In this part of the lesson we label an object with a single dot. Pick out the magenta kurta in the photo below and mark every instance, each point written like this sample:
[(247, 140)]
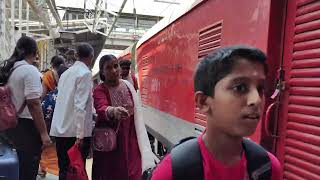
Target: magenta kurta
[(124, 163)]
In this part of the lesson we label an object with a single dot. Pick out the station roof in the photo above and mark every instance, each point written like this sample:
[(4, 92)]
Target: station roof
[(143, 7)]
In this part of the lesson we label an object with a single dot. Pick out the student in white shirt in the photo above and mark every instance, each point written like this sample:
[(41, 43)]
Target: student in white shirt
[(30, 135), (72, 117)]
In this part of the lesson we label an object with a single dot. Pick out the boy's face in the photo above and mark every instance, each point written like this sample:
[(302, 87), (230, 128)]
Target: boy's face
[(237, 103)]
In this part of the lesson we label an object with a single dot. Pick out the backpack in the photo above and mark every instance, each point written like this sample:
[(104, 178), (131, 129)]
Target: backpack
[(191, 168), (8, 113), (258, 162)]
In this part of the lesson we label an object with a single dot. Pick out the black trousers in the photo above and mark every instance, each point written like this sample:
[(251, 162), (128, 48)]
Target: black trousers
[(63, 144), (27, 141)]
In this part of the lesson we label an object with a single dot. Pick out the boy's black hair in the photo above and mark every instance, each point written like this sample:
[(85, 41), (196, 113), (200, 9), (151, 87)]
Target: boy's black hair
[(124, 62), (85, 50), (219, 64)]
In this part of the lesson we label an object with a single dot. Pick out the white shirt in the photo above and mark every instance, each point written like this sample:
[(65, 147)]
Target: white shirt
[(72, 115), (24, 83)]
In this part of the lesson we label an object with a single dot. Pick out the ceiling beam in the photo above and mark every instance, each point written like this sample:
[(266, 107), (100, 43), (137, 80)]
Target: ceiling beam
[(54, 12), (38, 13), (93, 43), (116, 18)]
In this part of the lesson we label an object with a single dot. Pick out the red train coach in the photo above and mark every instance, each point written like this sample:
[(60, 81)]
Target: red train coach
[(126, 54), (287, 30)]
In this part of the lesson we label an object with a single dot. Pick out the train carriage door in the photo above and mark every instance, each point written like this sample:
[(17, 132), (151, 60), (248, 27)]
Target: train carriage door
[(298, 145)]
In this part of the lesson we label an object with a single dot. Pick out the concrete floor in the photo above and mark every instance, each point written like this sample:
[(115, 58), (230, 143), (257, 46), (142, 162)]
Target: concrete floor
[(53, 177)]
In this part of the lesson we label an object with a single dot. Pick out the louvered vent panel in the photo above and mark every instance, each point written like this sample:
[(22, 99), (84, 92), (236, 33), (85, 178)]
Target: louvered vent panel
[(302, 144), (209, 40), (144, 66)]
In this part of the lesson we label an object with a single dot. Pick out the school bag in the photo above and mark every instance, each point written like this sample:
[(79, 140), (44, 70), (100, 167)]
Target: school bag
[(191, 168), (8, 112), (186, 161)]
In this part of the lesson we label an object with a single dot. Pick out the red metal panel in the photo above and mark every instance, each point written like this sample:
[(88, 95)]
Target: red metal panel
[(304, 2), (306, 137), (307, 7), (307, 110), (209, 45), (299, 144), (307, 148), (304, 100), (212, 32), (307, 45), (307, 91), (305, 82), (303, 164), (304, 128), (301, 118), (297, 157), (299, 172), (209, 39), (309, 26), (308, 17), (204, 39), (307, 36), (200, 118), (306, 63), (290, 175), (306, 54), (307, 72), (287, 53)]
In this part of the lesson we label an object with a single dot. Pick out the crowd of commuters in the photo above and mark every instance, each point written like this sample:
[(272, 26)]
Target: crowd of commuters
[(232, 76)]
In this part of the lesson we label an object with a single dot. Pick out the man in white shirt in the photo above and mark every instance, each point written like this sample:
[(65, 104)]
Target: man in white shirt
[(72, 117)]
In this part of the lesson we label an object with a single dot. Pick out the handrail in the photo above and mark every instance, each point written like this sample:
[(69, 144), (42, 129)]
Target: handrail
[(267, 119)]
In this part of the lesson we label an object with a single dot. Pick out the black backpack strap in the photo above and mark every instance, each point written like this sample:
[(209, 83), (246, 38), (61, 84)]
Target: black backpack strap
[(186, 160), (258, 161)]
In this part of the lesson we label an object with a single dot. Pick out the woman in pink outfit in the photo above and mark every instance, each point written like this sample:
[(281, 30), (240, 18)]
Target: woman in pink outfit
[(114, 101)]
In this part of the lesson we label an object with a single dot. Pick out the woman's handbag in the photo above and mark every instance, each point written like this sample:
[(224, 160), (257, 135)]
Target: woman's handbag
[(105, 138)]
